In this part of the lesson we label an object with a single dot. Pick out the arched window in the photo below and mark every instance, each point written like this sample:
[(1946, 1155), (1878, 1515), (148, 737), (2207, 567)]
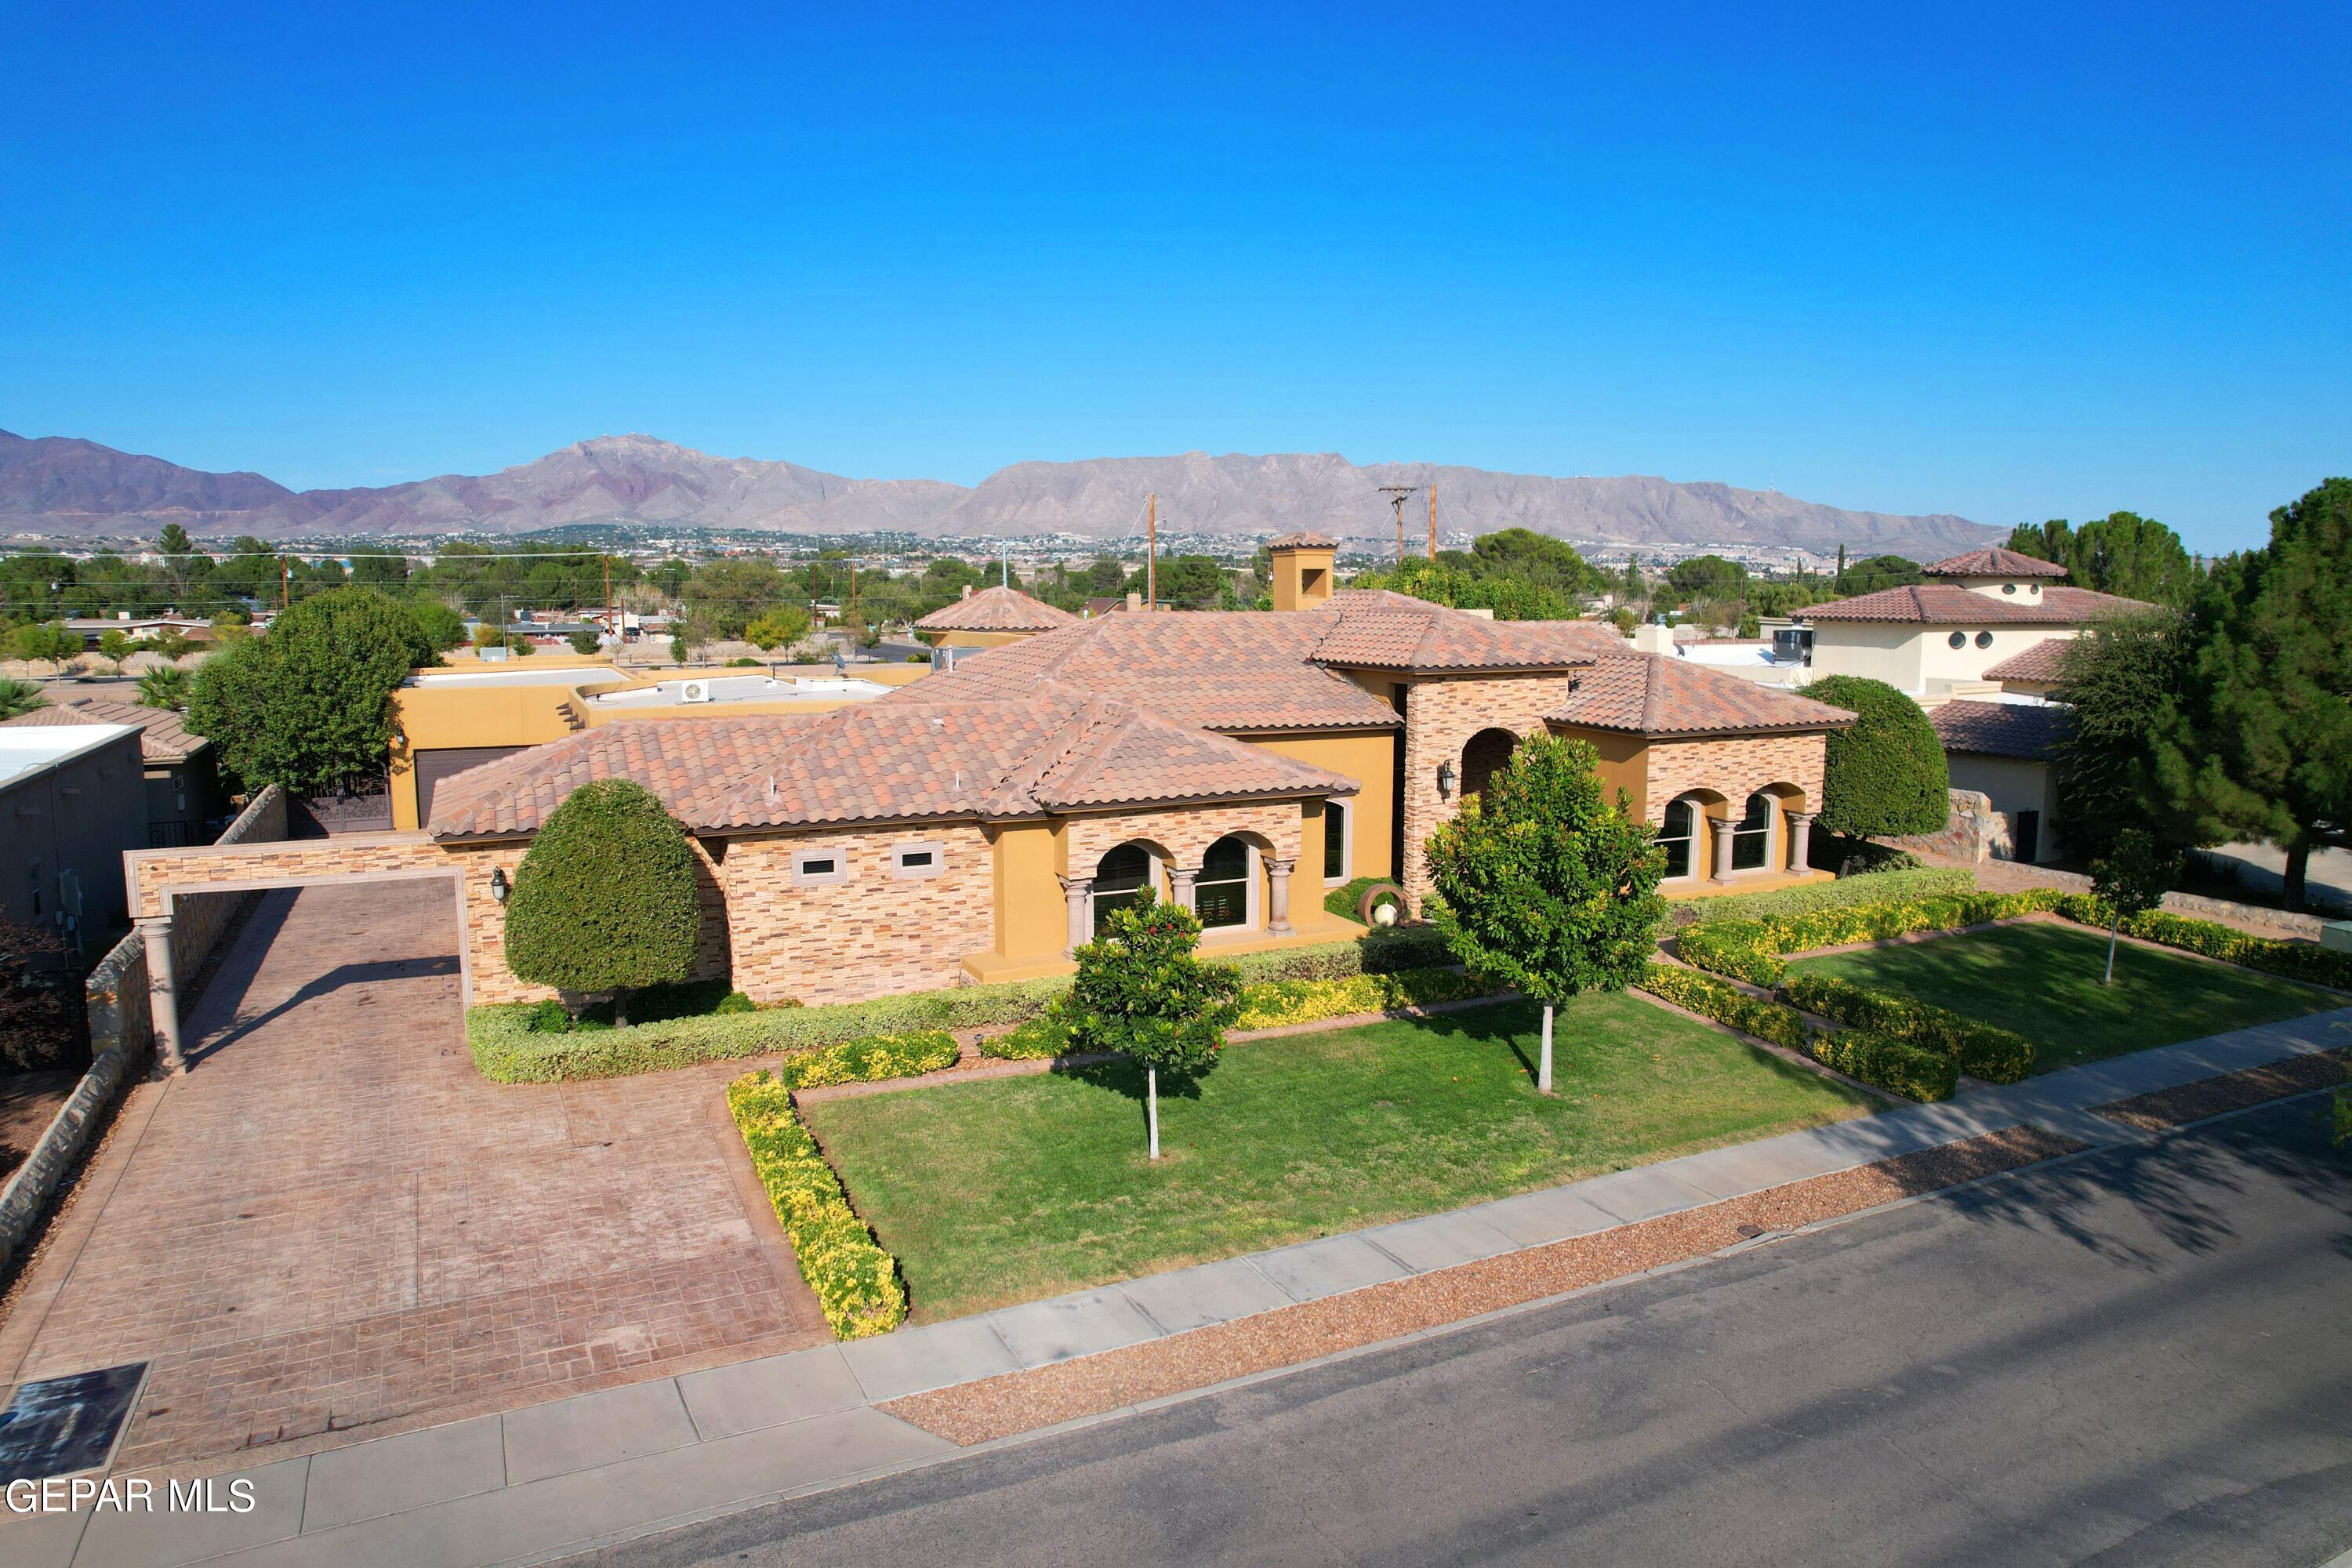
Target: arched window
[(1119, 876), (1335, 842), (1679, 839), (1222, 893), (1752, 837), (1484, 757)]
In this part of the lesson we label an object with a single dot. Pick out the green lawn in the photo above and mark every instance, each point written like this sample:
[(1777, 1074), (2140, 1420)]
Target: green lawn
[(1006, 1191), (2042, 981)]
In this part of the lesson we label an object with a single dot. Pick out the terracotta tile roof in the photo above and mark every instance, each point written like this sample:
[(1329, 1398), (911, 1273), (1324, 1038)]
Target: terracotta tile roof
[(1657, 694), (1408, 634), (1993, 561), (1304, 539), (2039, 663), (1058, 749), (1947, 604), (1239, 671), (163, 734), (1376, 598), (997, 609), (2030, 731)]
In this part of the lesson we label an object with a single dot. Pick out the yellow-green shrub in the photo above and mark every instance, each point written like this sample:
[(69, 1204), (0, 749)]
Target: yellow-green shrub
[(1884, 1062), (1711, 998), (1273, 1003), (856, 1282), (1982, 1050)]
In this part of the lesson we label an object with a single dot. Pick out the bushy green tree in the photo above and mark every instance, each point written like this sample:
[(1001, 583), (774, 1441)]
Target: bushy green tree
[(1546, 886), (2263, 745), (1886, 774), (2123, 553), (1142, 990), (1868, 576), (43, 640), (1706, 577), (2121, 681), (443, 627), (778, 627), (307, 705), (582, 642), (605, 898), (2133, 876)]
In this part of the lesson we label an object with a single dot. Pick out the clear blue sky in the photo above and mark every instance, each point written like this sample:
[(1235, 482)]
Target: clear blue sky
[(2013, 263)]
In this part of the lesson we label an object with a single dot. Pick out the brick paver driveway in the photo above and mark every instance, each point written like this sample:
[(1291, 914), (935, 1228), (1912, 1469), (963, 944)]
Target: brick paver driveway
[(333, 1225)]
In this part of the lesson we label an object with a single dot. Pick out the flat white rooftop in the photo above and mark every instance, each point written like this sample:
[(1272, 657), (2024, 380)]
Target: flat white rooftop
[(27, 749), (518, 674), (747, 688)]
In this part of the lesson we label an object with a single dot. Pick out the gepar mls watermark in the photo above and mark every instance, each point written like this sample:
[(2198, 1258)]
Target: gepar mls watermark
[(137, 1494)]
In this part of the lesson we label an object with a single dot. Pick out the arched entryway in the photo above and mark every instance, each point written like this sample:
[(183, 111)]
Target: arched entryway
[(1484, 757)]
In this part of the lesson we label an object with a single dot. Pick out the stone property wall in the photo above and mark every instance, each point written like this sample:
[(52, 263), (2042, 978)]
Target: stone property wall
[(1974, 831), (876, 933), (1441, 715)]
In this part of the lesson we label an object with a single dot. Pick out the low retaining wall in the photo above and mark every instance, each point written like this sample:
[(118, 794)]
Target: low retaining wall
[(123, 1027)]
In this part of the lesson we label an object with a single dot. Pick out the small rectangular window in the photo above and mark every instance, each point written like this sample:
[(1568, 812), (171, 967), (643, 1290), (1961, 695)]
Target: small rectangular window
[(816, 867), (1335, 842), (908, 861)]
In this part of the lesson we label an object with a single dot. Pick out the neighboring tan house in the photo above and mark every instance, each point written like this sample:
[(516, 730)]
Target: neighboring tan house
[(184, 795), (1983, 609), (990, 617), (2004, 752), (977, 825)]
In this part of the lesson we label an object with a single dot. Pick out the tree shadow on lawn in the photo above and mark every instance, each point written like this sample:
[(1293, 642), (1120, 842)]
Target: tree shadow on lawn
[(2171, 1183)]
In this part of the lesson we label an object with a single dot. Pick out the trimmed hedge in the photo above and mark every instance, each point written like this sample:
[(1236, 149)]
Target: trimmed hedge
[(1750, 949), (1886, 772), (1981, 1050), (2303, 961), (1709, 998), (1742, 949), (521, 1042), (1875, 887), (1895, 1066), (870, 1060), (1272, 1004), (856, 1282), (507, 1049)]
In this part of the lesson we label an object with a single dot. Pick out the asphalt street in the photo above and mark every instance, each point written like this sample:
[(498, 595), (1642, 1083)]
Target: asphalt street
[(2138, 1356)]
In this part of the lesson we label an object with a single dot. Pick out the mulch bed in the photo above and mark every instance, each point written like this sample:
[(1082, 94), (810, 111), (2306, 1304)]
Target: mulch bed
[(2231, 1091), (1019, 1401)]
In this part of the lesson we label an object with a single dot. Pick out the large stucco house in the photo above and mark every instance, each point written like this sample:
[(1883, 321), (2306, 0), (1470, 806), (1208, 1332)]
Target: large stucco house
[(976, 824)]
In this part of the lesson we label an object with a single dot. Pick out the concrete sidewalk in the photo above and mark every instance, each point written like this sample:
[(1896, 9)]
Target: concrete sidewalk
[(560, 1476)]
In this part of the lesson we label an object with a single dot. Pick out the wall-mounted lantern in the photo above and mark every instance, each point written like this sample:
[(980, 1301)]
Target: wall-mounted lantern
[(499, 887), (1446, 777)]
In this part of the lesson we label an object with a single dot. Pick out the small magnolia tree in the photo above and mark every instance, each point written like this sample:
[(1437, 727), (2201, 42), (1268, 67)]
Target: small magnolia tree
[(1142, 990), (606, 898), (2133, 878), (1546, 886)]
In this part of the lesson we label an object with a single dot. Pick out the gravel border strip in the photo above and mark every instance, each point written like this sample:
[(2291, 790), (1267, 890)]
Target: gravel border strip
[(2229, 1091), (1015, 1402)]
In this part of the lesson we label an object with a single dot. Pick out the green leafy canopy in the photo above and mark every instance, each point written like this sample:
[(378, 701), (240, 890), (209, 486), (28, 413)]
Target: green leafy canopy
[(1544, 884), (1886, 773), (606, 898), (1142, 989)]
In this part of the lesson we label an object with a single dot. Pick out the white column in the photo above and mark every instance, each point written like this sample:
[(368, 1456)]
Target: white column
[(1186, 893), (1801, 839), (1078, 892), (1278, 876), (1721, 829), (163, 990)]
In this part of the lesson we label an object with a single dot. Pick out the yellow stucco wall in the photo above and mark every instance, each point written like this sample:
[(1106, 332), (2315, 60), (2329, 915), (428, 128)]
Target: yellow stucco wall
[(1369, 757), (1624, 765), (1031, 916), (972, 639)]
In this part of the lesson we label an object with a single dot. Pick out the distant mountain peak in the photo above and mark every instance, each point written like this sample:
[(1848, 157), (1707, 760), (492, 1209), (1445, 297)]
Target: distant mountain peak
[(65, 486)]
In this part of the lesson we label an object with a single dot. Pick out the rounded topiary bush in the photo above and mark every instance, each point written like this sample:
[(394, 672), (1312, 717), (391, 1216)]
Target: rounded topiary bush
[(605, 897), (1886, 773)]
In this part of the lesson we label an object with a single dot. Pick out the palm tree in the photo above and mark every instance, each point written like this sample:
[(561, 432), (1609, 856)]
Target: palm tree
[(164, 688), (20, 697)]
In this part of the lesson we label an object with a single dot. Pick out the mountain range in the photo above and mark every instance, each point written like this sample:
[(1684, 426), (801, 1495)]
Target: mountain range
[(63, 487)]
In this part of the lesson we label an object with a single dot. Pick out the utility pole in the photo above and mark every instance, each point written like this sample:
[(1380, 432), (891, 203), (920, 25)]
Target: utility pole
[(1151, 551), (1432, 523), (283, 574), (1398, 495), (612, 622)]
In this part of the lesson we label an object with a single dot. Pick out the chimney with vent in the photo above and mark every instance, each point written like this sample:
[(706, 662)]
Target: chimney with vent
[(967, 590), (1135, 601)]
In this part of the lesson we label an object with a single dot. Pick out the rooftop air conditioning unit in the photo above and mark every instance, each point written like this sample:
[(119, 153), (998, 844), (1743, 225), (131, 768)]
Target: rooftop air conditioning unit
[(695, 691)]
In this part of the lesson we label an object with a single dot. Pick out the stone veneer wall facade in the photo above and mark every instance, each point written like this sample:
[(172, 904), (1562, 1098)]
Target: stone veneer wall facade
[(1441, 715), (1736, 768), (1184, 833), (876, 934)]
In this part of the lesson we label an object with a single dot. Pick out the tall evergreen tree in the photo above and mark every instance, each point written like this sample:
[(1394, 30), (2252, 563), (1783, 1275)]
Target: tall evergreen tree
[(2263, 745), (2121, 680)]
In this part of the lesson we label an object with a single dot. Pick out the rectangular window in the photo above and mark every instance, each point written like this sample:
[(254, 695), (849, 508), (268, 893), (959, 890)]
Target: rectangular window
[(819, 867), (911, 861), (1335, 842)]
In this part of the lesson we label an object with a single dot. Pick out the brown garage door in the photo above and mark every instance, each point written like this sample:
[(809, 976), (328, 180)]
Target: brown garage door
[(434, 766)]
